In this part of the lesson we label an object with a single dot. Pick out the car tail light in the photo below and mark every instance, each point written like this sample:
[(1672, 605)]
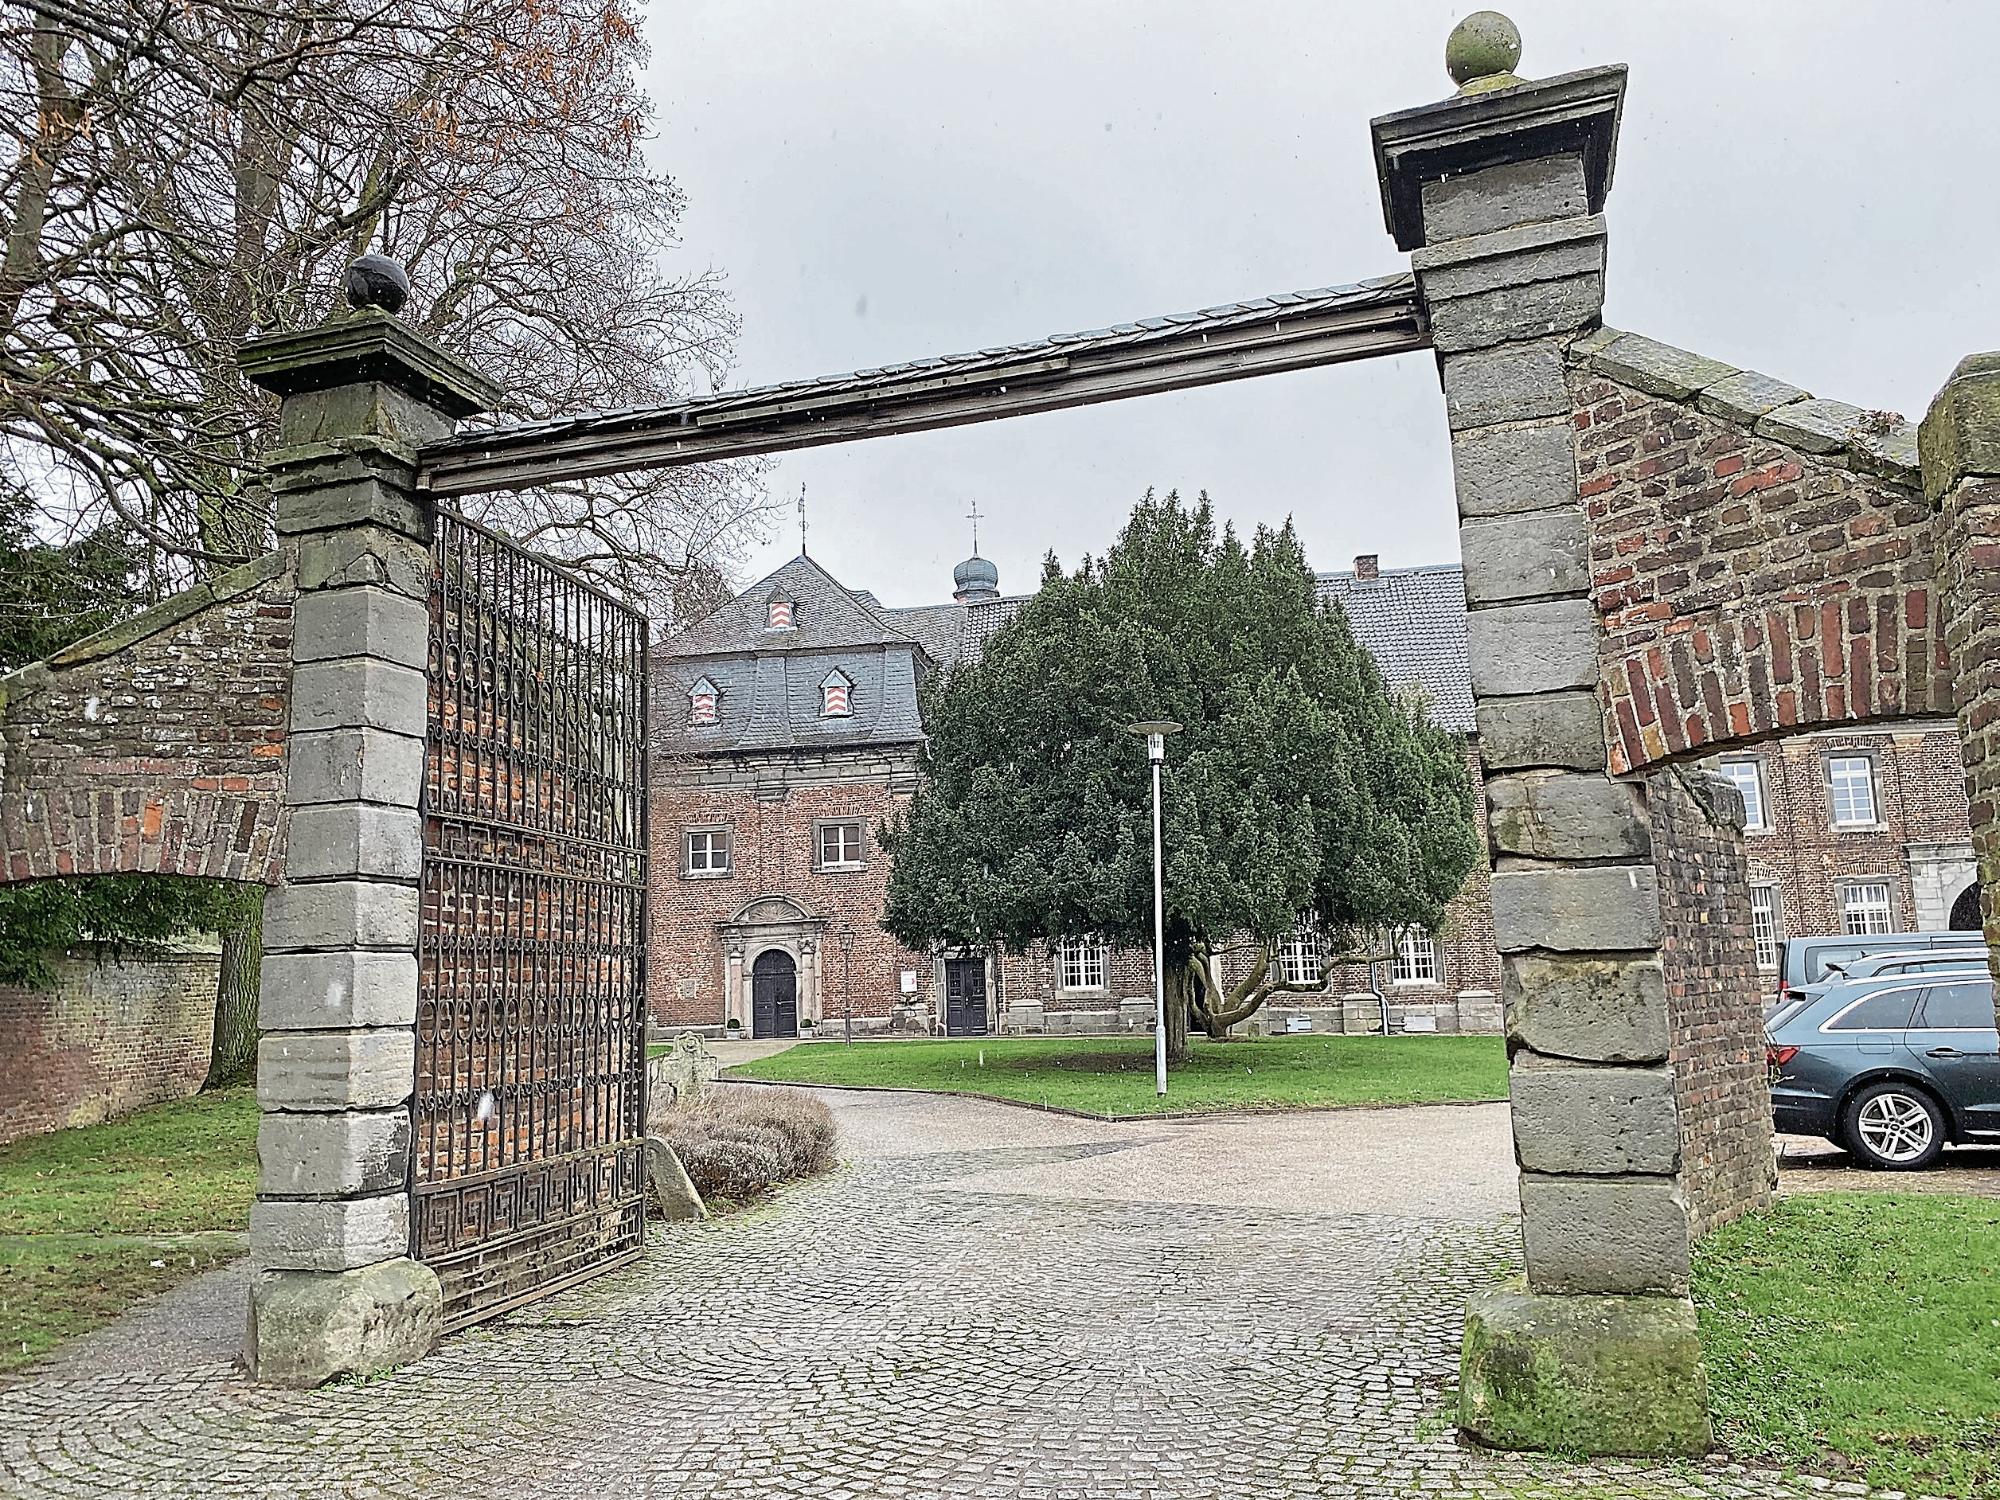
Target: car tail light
[(1776, 1057)]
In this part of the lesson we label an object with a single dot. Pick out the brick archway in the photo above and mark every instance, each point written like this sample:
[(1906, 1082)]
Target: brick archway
[(1760, 562), (157, 746)]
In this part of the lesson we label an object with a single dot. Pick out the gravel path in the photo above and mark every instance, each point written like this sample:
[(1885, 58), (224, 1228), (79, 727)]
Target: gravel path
[(984, 1301)]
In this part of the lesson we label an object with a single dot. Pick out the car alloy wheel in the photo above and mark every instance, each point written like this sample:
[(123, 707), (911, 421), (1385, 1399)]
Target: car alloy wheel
[(1895, 1127)]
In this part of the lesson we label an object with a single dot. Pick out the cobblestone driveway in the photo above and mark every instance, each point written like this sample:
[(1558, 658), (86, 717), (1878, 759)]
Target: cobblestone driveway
[(983, 1302)]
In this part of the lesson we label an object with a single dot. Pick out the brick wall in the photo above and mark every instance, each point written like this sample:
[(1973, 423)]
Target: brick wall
[(157, 745), (109, 1037), (1761, 562), (1919, 798), (1714, 997), (772, 808)]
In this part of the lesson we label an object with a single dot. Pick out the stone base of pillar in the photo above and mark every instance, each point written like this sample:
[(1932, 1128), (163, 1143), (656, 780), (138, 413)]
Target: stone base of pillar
[(1583, 1374), (306, 1327)]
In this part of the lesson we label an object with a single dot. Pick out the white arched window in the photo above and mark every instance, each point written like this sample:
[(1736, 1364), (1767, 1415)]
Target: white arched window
[(701, 702), (835, 690)]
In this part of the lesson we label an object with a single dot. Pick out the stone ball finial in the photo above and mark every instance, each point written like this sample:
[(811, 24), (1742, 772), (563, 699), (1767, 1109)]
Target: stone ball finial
[(377, 281), (1484, 45)]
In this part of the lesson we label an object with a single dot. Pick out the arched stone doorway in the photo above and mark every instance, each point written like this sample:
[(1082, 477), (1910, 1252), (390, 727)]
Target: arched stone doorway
[(774, 994), (1965, 910)]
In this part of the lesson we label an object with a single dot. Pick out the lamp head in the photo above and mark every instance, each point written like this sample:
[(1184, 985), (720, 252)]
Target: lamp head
[(1155, 732)]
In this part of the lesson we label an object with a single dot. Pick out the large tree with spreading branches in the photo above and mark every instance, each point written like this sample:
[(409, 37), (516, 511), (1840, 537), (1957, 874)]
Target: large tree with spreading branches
[(1301, 791), (185, 174), (181, 175)]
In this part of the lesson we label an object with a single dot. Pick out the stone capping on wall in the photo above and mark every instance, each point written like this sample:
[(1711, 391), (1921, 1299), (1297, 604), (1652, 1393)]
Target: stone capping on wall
[(167, 613), (1868, 442)]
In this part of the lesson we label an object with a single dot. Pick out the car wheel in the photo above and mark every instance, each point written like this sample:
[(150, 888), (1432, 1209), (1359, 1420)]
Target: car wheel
[(1894, 1127)]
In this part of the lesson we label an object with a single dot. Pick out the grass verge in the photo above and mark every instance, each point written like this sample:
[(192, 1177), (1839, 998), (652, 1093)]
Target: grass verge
[(1114, 1075), (1858, 1334), (96, 1218)]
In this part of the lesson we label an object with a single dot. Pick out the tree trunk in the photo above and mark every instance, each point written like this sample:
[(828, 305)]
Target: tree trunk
[(232, 1056), (1177, 1014)]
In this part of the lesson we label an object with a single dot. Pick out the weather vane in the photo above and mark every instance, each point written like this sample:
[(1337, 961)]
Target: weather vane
[(802, 518), (973, 516)]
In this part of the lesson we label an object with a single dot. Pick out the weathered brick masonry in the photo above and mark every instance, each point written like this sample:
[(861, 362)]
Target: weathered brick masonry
[(1762, 562), (1715, 1023), (157, 745), (771, 806), (110, 1035)]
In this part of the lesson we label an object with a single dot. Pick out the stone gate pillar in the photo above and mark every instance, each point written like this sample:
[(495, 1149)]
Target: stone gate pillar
[(334, 1289), (1497, 192), (1959, 447)]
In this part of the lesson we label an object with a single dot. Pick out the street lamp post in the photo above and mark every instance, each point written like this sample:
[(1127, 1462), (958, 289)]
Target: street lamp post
[(1156, 732), (844, 935)]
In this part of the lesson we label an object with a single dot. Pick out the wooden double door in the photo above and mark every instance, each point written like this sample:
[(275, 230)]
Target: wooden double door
[(774, 994), (965, 997)]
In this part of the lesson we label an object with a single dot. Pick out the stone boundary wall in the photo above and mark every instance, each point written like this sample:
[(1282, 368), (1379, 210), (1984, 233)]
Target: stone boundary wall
[(157, 745), (110, 1036), (1762, 562), (1714, 997)]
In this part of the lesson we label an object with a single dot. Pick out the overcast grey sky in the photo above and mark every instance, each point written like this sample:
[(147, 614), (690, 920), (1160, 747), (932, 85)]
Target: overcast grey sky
[(1804, 187)]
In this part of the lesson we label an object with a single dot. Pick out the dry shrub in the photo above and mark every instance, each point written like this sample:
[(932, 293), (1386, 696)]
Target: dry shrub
[(740, 1142)]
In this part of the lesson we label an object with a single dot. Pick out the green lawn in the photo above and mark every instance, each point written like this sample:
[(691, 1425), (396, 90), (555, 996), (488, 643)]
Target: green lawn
[(1859, 1334), (95, 1218), (1114, 1075)]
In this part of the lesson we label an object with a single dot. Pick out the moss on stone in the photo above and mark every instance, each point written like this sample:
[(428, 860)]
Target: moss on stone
[(1583, 1375)]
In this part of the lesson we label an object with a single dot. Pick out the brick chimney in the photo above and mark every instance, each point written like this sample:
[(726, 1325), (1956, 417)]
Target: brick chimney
[(1367, 567)]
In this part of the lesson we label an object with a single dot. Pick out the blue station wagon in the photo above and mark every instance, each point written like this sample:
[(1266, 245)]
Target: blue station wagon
[(1891, 1067)]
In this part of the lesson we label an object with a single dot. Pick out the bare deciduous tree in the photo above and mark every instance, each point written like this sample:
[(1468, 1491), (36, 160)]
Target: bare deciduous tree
[(186, 174), (189, 173)]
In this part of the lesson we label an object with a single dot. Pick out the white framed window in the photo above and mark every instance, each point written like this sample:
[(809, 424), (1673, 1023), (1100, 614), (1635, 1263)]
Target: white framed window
[(835, 695), (1748, 778), (1299, 957), (701, 702), (1080, 964), (777, 613), (708, 851), (840, 846), (1416, 957), (1850, 787), (1865, 908), (1767, 928)]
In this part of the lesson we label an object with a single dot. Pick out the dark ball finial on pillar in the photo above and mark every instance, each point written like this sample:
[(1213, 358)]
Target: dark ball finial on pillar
[(377, 281), (1482, 52)]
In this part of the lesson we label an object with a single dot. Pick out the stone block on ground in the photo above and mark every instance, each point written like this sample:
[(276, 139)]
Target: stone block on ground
[(1612, 1376), (308, 1327), (670, 1192)]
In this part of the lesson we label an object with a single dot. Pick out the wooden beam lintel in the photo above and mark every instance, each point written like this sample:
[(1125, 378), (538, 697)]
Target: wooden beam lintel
[(924, 405)]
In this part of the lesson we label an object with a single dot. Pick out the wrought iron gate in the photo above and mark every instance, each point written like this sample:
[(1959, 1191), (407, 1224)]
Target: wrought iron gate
[(527, 1171)]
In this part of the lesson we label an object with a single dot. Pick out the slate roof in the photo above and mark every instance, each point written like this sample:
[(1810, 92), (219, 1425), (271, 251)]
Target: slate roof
[(1412, 621), (954, 633), (772, 701), (825, 616)]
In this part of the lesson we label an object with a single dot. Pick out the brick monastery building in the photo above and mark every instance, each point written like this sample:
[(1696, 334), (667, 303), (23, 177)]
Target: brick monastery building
[(786, 729)]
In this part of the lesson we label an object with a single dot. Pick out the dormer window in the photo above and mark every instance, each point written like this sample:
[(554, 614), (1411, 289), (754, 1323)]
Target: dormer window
[(701, 702), (777, 613), (834, 689)]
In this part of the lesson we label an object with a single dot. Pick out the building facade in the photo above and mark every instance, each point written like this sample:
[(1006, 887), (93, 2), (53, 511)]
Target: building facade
[(786, 732)]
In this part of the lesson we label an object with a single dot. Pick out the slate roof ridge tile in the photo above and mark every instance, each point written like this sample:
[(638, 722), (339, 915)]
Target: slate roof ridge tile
[(1836, 432)]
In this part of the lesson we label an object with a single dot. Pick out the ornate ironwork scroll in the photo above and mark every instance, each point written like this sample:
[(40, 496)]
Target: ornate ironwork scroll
[(527, 1172)]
